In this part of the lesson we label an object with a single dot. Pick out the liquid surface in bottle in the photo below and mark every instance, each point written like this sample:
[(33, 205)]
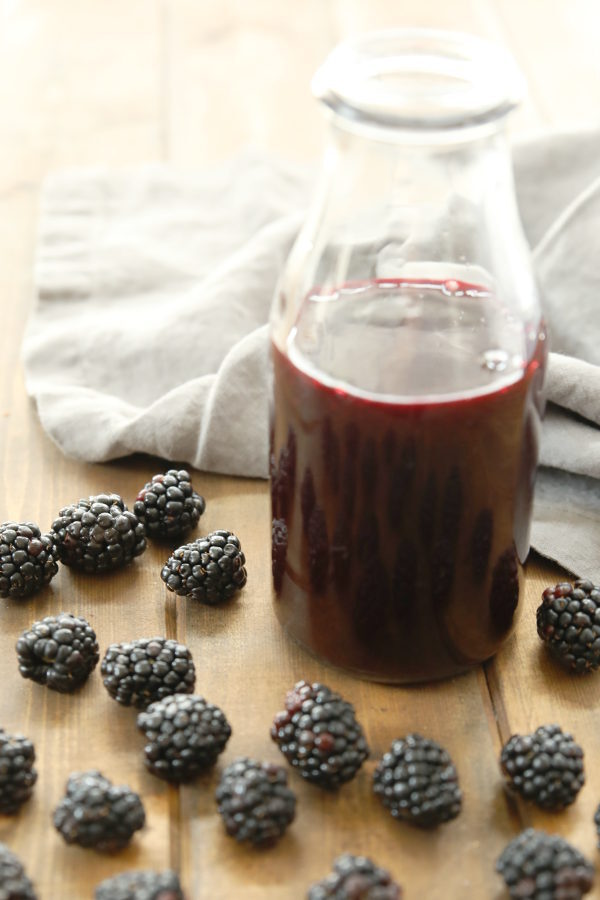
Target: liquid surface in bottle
[(404, 443), (407, 340)]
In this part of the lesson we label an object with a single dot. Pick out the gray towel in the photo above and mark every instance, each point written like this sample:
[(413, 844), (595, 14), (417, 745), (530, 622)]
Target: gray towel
[(153, 290)]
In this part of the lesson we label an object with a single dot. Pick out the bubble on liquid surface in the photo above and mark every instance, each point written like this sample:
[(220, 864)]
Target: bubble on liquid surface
[(495, 360), (451, 286)]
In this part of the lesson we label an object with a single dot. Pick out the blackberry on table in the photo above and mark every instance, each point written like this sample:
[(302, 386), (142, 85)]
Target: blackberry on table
[(58, 651), (185, 735), (97, 814), (254, 801), (568, 621), (319, 735), (417, 781), (545, 767), (98, 534), (141, 885), (17, 775), (355, 878), (210, 569), (14, 883), (136, 673), (28, 559), (540, 866), (168, 506)]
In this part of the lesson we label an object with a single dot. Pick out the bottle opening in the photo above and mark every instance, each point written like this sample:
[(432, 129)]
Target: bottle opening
[(419, 79)]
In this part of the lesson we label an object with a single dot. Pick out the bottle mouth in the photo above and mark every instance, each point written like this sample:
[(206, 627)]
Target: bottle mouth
[(419, 79)]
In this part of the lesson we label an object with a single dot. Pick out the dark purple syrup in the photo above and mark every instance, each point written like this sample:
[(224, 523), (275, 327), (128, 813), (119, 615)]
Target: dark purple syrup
[(401, 517)]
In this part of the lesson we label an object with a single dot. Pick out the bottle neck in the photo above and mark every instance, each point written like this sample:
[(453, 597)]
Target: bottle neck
[(424, 168), (435, 203)]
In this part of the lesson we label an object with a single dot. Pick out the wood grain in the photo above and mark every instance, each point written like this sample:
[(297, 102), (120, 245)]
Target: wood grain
[(110, 83)]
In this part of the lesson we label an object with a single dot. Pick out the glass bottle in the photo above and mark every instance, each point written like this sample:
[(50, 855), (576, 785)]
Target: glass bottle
[(408, 359)]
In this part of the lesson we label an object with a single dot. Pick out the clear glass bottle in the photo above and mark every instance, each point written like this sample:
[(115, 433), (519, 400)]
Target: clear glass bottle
[(408, 361)]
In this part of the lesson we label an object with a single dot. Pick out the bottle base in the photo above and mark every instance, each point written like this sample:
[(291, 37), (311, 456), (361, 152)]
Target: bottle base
[(401, 676)]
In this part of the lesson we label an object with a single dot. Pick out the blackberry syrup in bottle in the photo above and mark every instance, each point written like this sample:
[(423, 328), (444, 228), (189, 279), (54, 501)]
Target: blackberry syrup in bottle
[(408, 354)]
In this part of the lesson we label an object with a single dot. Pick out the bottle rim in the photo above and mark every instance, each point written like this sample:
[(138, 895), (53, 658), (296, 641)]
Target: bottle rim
[(419, 79)]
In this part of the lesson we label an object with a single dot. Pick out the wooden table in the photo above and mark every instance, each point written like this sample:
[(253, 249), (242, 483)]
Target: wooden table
[(191, 82)]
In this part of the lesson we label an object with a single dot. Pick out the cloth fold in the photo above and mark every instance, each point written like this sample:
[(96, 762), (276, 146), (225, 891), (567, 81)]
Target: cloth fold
[(153, 289)]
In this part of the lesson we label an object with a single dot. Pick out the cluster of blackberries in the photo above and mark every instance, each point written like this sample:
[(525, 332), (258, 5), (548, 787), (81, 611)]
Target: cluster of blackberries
[(97, 534), (184, 733), (546, 767), (317, 731), (61, 651)]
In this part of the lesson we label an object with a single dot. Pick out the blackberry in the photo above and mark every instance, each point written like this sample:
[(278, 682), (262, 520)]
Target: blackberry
[(540, 866), (568, 621), (27, 559), (97, 814), (141, 885), (17, 775), (545, 767), (254, 801), (185, 735), (98, 534), (417, 781), (356, 878), (168, 506), (14, 883), (139, 672), (319, 735), (210, 569), (58, 651)]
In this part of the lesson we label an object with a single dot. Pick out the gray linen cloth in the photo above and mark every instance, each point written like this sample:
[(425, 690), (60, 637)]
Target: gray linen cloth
[(153, 289)]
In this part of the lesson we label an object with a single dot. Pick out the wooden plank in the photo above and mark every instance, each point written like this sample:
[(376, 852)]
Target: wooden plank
[(530, 689), (88, 729), (88, 88), (245, 665), (66, 104), (239, 74), (557, 47), (196, 84), (216, 48)]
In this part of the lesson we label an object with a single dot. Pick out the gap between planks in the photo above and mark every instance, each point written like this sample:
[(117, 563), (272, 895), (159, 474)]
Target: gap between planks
[(174, 790), (498, 718)]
